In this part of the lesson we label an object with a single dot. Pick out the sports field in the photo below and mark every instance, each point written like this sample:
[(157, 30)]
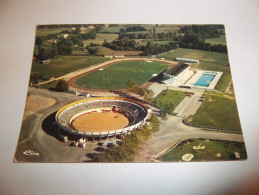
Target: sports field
[(213, 151), (116, 76)]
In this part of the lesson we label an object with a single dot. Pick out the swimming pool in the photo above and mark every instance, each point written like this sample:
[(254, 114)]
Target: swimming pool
[(205, 79)]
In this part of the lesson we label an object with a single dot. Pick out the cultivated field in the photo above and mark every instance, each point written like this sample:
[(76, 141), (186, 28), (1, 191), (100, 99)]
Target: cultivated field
[(208, 61), (100, 37), (107, 51), (218, 110), (47, 31), (225, 150), (117, 75), (65, 64), (112, 29)]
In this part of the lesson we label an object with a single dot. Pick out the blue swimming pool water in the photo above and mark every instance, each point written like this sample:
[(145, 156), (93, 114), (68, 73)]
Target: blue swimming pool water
[(205, 80)]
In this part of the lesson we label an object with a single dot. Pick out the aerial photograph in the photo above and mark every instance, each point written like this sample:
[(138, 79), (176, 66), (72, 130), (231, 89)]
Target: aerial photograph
[(130, 93)]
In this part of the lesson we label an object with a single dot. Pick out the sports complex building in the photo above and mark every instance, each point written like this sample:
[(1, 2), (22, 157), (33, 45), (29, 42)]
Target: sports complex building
[(104, 116), (181, 76)]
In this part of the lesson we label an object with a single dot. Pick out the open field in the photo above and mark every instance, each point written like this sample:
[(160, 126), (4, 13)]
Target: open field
[(218, 110), (107, 51), (163, 28), (100, 37), (169, 96), (203, 56), (117, 75), (215, 41), (47, 31), (112, 29), (144, 42), (65, 64), (78, 52), (34, 103), (208, 61), (226, 149)]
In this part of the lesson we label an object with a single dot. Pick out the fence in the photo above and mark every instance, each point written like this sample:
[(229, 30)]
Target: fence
[(212, 128)]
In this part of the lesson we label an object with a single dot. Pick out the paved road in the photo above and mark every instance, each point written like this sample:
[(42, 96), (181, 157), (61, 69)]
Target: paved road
[(173, 130), (33, 137)]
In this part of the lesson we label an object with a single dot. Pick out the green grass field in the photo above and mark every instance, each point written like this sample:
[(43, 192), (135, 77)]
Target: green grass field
[(100, 37), (107, 51), (208, 61), (112, 29), (120, 73), (218, 110), (215, 41), (65, 64), (227, 150), (169, 96)]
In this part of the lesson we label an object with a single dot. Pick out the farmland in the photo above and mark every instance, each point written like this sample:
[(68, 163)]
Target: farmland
[(100, 37), (107, 51), (65, 64), (116, 76), (47, 31), (215, 41)]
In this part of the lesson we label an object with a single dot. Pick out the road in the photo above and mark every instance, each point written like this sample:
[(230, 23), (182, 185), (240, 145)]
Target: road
[(173, 130), (35, 136), (37, 132)]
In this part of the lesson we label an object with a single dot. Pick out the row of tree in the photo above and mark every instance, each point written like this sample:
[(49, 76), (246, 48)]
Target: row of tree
[(150, 48), (208, 31), (170, 36), (129, 147)]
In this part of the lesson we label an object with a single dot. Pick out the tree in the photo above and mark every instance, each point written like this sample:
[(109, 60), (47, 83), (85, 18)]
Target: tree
[(93, 51), (62, 85), (34, 77)]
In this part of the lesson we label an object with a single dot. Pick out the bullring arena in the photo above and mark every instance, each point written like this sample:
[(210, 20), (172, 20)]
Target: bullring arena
[(101, 117)]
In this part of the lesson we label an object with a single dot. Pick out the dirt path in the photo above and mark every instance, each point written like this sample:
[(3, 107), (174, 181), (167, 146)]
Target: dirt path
[(228, 87), (36, 103)]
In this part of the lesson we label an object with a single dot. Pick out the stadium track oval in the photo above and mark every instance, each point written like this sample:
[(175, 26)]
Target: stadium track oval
[(71, 81)]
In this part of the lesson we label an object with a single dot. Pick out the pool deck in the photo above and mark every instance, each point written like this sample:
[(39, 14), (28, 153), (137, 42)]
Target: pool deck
[(191, 77)]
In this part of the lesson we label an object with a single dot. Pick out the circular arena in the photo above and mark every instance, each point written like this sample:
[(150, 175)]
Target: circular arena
[(101, 117)]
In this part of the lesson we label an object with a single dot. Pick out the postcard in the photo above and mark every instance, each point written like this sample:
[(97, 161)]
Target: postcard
[(130, 93)]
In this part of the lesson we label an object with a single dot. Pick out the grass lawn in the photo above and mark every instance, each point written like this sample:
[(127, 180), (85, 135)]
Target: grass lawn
[(119, 73), (208, 61), (112, 29), (227, 150), (78, 52), (100, 37), (65, 64), (169, 96), (218, 110), (215, 41)]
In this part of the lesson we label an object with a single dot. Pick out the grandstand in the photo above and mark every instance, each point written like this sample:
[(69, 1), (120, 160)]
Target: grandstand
[(135, 113)]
